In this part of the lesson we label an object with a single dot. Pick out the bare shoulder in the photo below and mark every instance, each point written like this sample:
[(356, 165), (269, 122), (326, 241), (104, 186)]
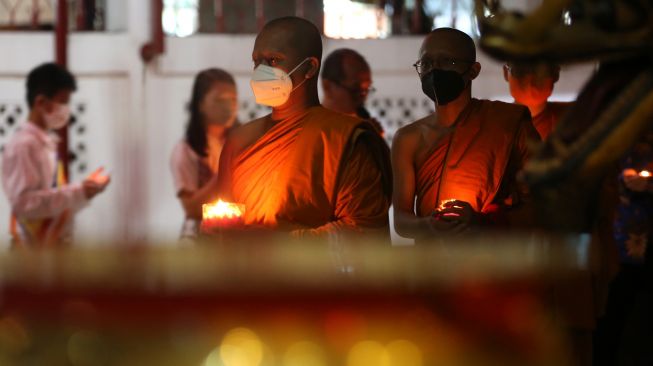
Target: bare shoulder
[(411, 134), (244, 135)]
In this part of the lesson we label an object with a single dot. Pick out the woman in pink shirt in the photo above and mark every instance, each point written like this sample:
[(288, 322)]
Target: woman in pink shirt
[(194, 161)]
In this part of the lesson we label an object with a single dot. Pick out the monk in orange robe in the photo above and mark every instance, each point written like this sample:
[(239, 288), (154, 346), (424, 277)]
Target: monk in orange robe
[(303, 168), (531, 84), (457, 168)]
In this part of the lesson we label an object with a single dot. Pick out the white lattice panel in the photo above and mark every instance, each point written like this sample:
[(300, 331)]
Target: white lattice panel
[(14, 113)]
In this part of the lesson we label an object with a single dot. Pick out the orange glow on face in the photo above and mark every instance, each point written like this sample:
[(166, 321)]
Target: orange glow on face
[(645, 174), (222, 210)]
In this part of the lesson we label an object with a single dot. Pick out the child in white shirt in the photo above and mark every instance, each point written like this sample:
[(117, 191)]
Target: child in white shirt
[(42, 203)]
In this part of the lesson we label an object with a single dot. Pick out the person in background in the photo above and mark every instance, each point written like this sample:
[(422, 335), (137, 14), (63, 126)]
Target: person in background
[(531, 84), (195, 159), (42, 203), (347, 82), (624, 333), (456, 169)]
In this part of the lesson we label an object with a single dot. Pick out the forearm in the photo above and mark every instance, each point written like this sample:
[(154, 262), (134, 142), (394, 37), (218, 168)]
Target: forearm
[(324, 231), (49, 202), (409, 225), (341, 227), (193, 201)]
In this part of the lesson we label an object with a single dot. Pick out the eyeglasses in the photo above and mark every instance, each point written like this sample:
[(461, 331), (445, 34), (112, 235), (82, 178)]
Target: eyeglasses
[(357, 90), (424, 66)]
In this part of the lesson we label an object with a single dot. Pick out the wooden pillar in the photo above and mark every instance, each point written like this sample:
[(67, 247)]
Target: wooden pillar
[(61, 58)]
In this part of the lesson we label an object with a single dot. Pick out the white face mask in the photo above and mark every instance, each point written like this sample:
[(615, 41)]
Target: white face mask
[(58, 118), (272, 86)]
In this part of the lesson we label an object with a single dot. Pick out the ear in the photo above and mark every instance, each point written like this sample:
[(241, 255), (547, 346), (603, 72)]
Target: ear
[(506, 73), (39, 101), (474, 70), (326, 85), (314, 67)]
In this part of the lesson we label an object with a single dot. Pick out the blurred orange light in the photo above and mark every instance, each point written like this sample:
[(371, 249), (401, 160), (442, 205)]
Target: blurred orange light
[(645, 173), (403, 352), (305, 353), (221, 210), (368, 353), (241, 347)]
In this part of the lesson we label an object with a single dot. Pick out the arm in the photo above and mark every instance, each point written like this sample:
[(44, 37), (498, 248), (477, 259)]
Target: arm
[(361, 202), (184, 167), (192, 201), (519, 210), (223, 188), (526, 138), (21, 178), (407, 223)]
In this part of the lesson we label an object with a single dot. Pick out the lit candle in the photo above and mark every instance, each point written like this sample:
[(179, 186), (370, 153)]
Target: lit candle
[(645, 174), (443, 205), (221, 214)]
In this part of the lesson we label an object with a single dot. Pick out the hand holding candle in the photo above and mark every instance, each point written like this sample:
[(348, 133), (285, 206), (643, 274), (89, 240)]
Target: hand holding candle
[(444, 212), (95, 183), (637, 181), (455, 211)]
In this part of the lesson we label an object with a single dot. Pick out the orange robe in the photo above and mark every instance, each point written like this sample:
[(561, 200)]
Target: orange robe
[(320, 172), (546, 121), (483, 155)]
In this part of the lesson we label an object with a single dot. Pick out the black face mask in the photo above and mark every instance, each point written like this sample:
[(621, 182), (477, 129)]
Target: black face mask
[(443, 86)]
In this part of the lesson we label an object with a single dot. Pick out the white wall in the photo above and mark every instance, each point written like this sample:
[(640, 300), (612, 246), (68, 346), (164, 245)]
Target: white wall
[(136, 112)]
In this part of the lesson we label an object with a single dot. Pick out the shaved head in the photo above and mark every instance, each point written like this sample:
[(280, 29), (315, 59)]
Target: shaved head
[(294, 34), (335, 64), (450, 41), (347, 80), (293, 45)]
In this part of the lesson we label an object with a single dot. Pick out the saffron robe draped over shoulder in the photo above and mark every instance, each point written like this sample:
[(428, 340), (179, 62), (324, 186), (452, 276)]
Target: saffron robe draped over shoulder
[(546, 121), (320, 172), (483, 155)]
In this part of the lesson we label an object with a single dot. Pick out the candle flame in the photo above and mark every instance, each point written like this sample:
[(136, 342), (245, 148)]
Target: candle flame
[(221, 210), (444, 203), (645, 173)]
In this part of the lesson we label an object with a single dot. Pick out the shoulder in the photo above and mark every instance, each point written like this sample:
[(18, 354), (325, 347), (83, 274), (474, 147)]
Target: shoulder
[(505, 115), (327, 120), (182, 153), (410, 135), (559, 108), (22, 142), (243, 135), (508, 109)]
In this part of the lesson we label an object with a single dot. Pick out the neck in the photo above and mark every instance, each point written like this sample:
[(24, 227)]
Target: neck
[(448, 114), (300, 100), (217, 132), (536, 109), (37, 120), (330, 104)]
